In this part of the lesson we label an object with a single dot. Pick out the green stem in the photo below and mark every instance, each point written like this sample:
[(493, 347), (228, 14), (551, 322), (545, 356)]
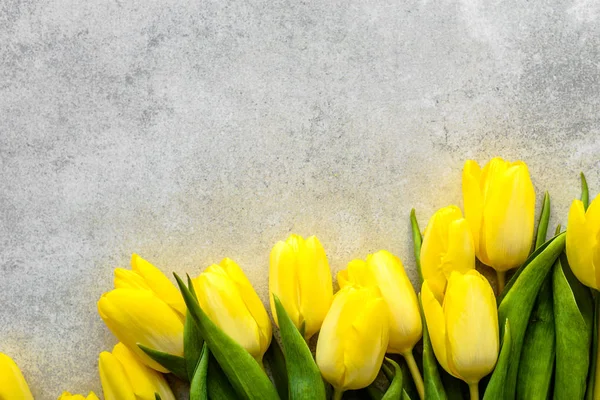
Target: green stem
[(337, 394), (501, 276), (597, 372), (474, 390), (416, 374)]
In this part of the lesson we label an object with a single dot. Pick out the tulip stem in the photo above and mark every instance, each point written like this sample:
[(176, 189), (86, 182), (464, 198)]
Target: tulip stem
[(501, 276), (337, 394), (416, 374), (474, 390)]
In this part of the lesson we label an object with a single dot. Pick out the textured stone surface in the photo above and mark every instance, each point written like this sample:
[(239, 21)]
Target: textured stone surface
[(188, 131)]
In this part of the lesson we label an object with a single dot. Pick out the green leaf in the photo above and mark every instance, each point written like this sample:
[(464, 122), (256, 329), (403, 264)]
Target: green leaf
[(518, 299), (585, 192), (455, 388), (542, 229), (192, 340), (394, 391), (198, 387), (373, 392), (275, 362), (589, 395), (434, 388), (175, 364), (245, 374), (573, 318), (304, 377), (537, 358), (157, 396), (217, 384), (417, 241), (496, 388), (405, 395)]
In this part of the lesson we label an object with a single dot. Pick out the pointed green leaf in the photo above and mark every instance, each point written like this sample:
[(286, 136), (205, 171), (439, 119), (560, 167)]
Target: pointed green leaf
[(518, 298), (573, 319), (245, 374), (198, 387), (434, 388), (173, 363), (219, 387), (496, 388), (275, 362), (585, 192), (405, 395), (192, 340), (542, 229), (417, 241), (537, 358), (304, 377), (394, 391), (157, 396), (589, 394)]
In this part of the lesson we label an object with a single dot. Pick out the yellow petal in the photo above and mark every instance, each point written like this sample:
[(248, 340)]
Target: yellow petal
[(473, 198), (139, 316), (316, 287), (436, 325), (283, 281), (12, 382), (221, 300), (580, 240), (145, 382), (470, 302), (159, 283), (128, 279), (360, 274), (343, 279), (115, 384), (69, 396), (508, 217), (399, 294)]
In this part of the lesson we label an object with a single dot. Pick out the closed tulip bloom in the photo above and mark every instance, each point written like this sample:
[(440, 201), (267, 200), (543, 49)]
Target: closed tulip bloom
[(447, 246), (583, 242), (499, 202), (299, 276), (464, 328), (353, 338), (125, 377), (12, 382), (227, 297), (140, 316), (144, 275), (69, 396)]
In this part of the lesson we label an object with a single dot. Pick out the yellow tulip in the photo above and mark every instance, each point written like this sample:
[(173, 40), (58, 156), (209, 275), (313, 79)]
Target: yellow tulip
[(227, 297), (125, 377), (464, 328), (353, 338), (144, 275), (12, 383), (447, 246), (299, 276), (583, 242), (69, 396), (140, 316), (499, 204)]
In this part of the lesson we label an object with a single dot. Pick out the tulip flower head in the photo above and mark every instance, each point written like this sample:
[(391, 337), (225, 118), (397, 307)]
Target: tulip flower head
[(69, 396), (125, 377), (227, 297), (499, 202), (583, 242), (12, 382), (447, 246), (353, 338), (299, 276), (464, 328)]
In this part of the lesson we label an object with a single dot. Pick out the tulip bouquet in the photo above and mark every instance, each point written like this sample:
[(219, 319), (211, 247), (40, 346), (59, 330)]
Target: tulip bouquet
[(535, 337)]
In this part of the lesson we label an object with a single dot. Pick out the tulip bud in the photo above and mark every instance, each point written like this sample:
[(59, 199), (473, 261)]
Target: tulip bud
[(125, 377), (447, 246), (140, 316), (385, 271), (144, 275), (499, 204), (12, 382), (583, 242), (227, 297), (69, 396), (464, 329), (299, 276), (353, 338)]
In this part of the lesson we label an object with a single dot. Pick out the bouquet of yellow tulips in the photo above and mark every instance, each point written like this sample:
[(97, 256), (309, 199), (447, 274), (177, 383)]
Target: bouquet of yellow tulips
[(455, 337)]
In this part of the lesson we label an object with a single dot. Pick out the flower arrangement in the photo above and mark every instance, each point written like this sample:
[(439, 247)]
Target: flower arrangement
[(454, 337)]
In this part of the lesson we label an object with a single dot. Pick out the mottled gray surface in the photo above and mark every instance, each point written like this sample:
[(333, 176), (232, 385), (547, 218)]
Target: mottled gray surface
[(188, 131)]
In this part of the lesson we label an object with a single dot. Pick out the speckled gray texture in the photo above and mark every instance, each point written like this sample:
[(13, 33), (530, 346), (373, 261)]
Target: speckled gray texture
[(188, 131)]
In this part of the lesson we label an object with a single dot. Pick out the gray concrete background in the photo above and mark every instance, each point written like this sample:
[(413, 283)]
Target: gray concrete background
[(188, 131)]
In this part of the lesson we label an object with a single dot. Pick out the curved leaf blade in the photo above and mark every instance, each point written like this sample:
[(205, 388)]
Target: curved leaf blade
[(496, 388), (173, 363), (198, 386), (394, 391)]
